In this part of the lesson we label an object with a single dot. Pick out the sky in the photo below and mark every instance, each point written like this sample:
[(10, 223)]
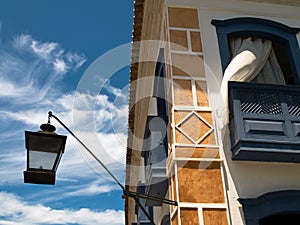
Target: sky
[(70, 57)]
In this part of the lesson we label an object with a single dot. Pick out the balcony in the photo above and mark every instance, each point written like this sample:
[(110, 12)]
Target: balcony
[(156, 180), (140, 215), (155, 154), (264, 122)]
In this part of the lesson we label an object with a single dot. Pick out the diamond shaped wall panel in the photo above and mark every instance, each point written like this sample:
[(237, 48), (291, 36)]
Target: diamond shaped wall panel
[(181, 138), (194, 127)]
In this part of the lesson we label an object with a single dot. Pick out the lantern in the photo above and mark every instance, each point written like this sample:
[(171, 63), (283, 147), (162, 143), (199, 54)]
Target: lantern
[(44, 151)]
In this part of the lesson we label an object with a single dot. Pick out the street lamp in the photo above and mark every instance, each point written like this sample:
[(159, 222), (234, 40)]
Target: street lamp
[(44, 151)]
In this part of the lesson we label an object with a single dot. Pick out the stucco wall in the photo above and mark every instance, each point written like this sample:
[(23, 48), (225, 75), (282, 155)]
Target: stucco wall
[(242, 179)]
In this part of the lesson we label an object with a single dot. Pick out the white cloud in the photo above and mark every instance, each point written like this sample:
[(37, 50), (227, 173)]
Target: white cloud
[(14, 211), (29, 69), (12, 165), (21, 41), (98, 113), (2, 222), (44, 49), (121, 94), (94, 188), (8, 89), (75, 59), (26, 116), (110, 149), (60, 66), (90, 113)]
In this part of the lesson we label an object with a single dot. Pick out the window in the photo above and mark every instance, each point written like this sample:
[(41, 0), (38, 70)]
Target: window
[(259, 60), (283, 38), (262, 110), (276, 208)]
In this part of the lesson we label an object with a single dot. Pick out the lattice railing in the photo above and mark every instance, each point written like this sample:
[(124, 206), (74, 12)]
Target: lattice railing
[(293, 103), (264, 122), (260, 102), (266, 98)]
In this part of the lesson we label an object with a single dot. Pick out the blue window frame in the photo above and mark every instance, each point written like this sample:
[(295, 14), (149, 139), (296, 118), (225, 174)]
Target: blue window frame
[(258, 133), (262, 28)]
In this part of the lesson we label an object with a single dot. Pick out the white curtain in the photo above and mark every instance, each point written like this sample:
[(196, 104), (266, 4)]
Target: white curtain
[(254, 60)]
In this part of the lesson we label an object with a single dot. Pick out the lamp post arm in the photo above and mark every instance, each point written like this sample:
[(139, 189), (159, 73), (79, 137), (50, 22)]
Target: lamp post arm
[(126, 193), (149, 197), (86, 148)]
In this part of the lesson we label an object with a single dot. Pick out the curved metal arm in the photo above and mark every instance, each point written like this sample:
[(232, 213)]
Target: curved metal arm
[(126, 193), (86, 148)]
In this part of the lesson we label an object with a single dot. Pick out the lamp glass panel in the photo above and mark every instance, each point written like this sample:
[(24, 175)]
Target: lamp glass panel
[(41, 160)]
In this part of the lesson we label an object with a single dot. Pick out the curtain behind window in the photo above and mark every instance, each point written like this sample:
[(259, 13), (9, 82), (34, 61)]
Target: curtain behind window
[(253, 60)]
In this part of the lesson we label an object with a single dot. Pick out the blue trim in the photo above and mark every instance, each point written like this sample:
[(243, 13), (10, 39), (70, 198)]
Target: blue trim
[(160, 85), (252, 20), (247, 26), (270, 204)]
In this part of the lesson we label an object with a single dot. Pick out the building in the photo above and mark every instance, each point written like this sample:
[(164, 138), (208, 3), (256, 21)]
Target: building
[(214, 112)]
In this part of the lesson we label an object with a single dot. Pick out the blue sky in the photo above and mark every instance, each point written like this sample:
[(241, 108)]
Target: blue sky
[(51, 52)]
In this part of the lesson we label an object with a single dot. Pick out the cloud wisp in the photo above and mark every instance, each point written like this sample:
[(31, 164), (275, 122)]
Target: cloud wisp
[(29, 68)]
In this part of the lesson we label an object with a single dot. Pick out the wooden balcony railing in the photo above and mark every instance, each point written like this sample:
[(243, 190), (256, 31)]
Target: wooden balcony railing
[(155, 155), (264, 122)]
